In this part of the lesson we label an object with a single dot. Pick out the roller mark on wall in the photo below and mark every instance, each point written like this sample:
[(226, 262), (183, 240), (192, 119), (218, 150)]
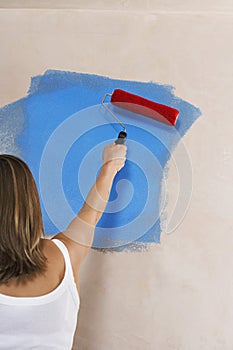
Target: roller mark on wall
[(60, 130)]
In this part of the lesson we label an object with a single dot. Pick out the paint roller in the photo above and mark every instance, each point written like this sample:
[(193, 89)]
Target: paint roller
[(140, 105)]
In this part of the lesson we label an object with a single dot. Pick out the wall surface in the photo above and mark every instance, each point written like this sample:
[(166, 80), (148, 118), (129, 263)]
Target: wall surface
[(178, 294)]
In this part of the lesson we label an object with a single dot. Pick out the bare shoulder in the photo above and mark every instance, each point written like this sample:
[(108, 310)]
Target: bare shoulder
[(74, 253), (53, 255), (55, 266), (74, 249), (50, 250)]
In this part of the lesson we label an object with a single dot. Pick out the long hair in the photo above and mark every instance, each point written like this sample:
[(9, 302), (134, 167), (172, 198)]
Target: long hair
[(21, 225)]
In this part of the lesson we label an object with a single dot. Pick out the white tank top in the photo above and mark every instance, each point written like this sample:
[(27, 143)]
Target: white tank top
[(43, 322)]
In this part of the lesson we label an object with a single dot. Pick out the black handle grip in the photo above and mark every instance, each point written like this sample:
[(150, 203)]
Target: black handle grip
[(121, 138)]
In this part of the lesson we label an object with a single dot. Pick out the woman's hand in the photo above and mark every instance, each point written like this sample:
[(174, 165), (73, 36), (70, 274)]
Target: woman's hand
[(114, 156)]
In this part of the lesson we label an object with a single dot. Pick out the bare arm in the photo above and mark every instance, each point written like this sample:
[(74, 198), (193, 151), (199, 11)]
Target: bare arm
[(79, 235)]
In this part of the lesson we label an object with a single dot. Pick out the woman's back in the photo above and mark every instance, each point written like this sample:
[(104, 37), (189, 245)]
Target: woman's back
[(39, 300), (41, 312)]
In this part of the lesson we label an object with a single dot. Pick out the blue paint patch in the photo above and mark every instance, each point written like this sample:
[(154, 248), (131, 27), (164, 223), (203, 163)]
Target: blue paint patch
[(64, 132), (11, 125)]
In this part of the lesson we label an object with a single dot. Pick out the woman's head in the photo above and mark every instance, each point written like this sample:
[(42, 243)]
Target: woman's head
[(21, 225)]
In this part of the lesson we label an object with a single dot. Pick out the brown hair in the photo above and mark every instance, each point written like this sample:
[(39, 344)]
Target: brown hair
[(21, 225)]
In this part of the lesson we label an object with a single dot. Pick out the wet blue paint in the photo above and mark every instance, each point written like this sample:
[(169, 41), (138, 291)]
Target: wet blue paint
[(56, 96)]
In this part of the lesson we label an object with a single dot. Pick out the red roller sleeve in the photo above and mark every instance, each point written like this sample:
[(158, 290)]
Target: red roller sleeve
[(141, 105)]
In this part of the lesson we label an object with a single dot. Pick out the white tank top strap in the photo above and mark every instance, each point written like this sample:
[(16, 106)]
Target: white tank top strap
[(68, 269)]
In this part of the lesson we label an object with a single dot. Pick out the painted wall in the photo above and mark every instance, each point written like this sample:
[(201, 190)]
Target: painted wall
[(176, 295)]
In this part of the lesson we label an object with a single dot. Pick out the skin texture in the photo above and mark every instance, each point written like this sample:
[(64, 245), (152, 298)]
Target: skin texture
[(77, 237)]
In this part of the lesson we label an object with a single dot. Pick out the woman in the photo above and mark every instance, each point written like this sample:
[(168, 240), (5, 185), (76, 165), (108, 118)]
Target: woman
[(39, 285)]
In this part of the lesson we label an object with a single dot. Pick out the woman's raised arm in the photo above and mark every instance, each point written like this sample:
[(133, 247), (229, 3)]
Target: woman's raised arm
[(78, 236)]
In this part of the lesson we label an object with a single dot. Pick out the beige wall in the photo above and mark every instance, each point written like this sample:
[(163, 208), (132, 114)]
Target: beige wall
[(179, 294)]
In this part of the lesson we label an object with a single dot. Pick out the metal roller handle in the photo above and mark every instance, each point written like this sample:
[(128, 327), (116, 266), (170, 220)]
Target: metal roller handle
[(112, 114)]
